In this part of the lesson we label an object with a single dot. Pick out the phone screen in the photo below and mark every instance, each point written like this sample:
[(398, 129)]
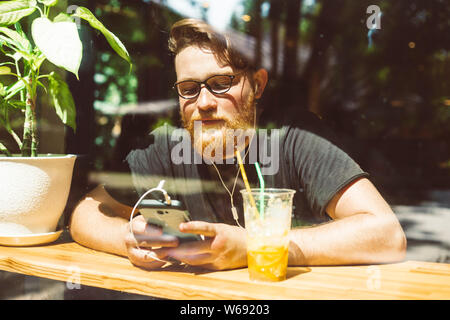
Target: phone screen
[(168, 217)]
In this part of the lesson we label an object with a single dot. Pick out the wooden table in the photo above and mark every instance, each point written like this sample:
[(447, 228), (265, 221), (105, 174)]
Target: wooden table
[(69, 262)]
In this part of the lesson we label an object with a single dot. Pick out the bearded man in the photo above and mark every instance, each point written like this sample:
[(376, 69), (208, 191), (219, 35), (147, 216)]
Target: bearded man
[(348, 221)]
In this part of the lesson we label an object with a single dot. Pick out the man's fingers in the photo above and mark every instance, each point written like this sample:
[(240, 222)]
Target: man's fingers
[(145, 241), (141, 227), (193, 253), (199, 227), (147, 235), (191, 248), (194, 260), (146, 258), (162, 241), (146, 255)]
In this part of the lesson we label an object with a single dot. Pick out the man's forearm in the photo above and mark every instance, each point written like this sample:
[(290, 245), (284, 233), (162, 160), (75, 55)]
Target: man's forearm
[(98, 230), (358, 239)]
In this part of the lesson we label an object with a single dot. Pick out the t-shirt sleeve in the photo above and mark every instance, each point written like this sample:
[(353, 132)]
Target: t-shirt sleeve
[(322, 167), (149, 166), (119, 185), (144, 170)]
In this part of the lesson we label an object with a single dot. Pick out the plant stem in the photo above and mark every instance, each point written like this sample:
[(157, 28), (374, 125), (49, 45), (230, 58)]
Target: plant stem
[(5, 150), (20, 75), (34, 140), (27, 127), (8, 128), (40, 10), (29, 146)]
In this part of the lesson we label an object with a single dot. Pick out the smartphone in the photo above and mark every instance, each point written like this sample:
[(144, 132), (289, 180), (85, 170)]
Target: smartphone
[(168, 217)]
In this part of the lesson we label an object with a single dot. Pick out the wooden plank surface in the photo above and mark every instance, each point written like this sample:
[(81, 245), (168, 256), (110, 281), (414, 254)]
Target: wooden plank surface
[(72, 263)]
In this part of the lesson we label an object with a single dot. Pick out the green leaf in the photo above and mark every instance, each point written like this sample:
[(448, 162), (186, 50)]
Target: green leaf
[(13, 11), (49, 3), (42, 85), (38, 61), (14, 88), (5, 63), (2, 90), (17, 104), (16, 47), (63, 17), (62, 100), (19, 55), (113, 41), (18, 40), (24, 36), (5, 70), (10, 43), (59, 42), (4, 150), (4, 119)]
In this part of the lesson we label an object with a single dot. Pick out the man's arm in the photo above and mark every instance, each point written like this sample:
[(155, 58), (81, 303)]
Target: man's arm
[(100, 222), (364, 230)]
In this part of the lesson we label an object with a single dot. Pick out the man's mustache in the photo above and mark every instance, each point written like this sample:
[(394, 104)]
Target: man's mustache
[(190, 124), (208, 118)]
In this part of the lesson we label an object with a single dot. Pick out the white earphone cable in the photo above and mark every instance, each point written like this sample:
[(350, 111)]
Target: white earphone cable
[(168, 201), (233, 208)]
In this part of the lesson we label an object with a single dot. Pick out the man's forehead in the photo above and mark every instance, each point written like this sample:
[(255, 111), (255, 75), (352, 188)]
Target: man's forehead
[(198, 64)]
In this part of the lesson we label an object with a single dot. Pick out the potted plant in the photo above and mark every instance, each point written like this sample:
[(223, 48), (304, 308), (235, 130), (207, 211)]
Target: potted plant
[(33, 187)]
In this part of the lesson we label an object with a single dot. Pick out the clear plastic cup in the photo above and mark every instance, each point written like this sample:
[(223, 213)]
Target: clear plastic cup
[(268, 227)]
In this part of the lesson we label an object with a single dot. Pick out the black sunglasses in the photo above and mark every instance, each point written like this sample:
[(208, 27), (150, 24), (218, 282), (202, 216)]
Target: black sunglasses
[(217, 84)]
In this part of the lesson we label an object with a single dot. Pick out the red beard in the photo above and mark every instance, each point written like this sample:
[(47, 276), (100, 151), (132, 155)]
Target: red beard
[(219, 141)]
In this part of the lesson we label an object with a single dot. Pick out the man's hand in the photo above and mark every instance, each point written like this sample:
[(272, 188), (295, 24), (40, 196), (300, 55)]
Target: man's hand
[(224, 246), (147, 237)]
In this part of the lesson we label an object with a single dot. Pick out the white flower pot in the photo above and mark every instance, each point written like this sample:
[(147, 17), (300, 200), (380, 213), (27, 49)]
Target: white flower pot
[(33, 193)]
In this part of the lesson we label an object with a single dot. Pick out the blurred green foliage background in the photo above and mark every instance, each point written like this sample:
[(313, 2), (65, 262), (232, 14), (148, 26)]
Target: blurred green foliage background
[(385, 92)]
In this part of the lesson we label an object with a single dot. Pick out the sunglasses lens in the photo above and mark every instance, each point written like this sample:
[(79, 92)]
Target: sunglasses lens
[(220, 84), (188, 89), (217, 84)]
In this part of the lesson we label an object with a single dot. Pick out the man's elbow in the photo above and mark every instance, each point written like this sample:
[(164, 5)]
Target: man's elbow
[(74, 223), (78, 220), (396, 243), (399, 245)]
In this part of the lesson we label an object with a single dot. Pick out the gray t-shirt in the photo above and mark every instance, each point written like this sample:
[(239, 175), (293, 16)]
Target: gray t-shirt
[(307, 163)]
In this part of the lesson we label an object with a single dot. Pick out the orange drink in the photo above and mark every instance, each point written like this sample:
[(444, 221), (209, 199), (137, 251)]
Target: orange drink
[(268, 263), (267, 222)]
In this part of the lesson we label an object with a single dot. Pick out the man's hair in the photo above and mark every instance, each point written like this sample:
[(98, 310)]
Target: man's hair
[(192, 32)]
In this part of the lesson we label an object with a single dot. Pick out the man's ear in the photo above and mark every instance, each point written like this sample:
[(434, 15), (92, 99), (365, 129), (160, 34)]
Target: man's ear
[(260, 78)]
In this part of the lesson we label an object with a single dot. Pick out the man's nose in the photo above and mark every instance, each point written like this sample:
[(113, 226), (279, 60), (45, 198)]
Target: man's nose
[(206, 100)]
